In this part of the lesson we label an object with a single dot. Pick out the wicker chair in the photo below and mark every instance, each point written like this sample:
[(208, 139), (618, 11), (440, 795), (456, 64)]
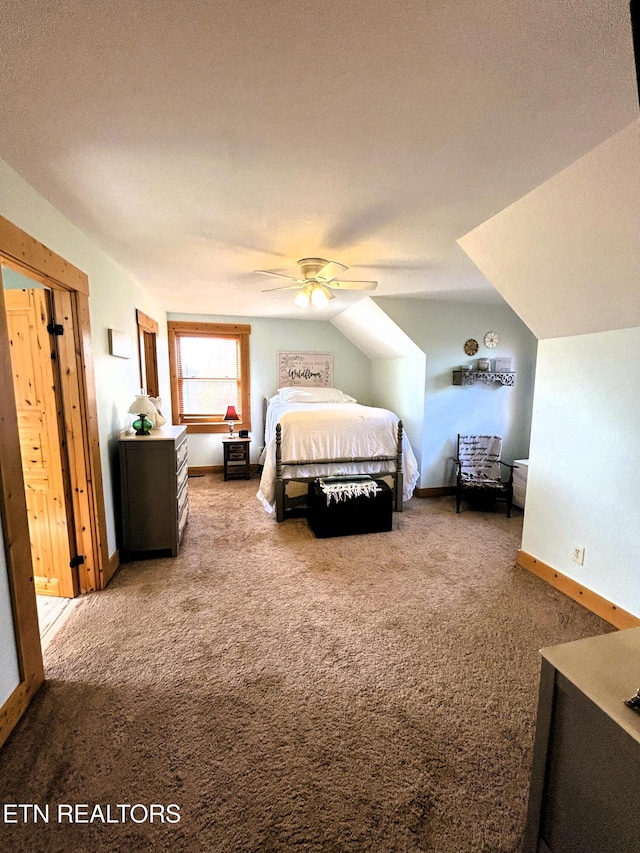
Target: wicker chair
[(478, 475)]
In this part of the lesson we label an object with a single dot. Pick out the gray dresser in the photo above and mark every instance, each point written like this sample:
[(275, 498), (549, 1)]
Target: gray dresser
[(585, 781), (154, 491)]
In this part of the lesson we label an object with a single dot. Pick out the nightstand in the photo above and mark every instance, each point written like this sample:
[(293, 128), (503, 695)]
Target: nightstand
[(236, 457)]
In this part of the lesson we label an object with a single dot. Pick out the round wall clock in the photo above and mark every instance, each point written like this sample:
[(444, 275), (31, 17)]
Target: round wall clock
[(471, 346), (491, 340)]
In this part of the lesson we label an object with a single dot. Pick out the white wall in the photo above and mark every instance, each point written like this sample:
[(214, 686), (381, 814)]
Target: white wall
[(583, 472), (397, 384), (114, 296), (9, 672), (567, 255), (397, 364), (269, 336), (440, 329)]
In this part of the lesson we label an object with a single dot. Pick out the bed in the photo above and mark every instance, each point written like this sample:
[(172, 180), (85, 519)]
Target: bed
[(323, 432)]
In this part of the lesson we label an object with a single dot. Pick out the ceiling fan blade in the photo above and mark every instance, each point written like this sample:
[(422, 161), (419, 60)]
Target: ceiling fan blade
[(353, 285), (278, 275), (330, 271), (284, 287)]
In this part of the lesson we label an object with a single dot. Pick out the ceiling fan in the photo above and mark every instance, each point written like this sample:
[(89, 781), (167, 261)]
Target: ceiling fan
[(318, 279)]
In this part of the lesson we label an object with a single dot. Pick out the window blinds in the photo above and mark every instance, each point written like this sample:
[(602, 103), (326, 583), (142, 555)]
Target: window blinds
[(208, 376)]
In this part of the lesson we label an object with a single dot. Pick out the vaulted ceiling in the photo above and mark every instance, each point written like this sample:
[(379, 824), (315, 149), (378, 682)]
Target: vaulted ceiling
[(198, 141), (566, 256)]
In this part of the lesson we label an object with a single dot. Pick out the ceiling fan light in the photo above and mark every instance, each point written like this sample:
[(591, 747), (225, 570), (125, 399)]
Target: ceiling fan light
[(302, 298), (320, 297)]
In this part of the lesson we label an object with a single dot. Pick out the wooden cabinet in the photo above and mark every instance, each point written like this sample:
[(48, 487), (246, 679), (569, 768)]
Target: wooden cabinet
[(154, 491), (585, 780), (236, 457)]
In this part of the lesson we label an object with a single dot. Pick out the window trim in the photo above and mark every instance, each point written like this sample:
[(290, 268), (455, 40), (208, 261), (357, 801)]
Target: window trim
[(178, 328)]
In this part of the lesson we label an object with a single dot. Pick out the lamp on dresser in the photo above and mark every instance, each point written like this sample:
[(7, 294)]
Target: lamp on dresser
[(142, 406)]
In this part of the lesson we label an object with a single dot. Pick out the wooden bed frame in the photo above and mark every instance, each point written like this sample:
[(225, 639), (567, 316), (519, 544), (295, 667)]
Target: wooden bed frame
[(287, 506)]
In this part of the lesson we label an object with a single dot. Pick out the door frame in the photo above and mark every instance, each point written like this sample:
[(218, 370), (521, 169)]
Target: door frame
[(70, 292)]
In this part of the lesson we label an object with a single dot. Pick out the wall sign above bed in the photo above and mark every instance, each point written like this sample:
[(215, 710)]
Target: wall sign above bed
[(310, 369)]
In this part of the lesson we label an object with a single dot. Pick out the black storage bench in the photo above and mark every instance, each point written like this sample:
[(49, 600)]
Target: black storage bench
[(361, 514)]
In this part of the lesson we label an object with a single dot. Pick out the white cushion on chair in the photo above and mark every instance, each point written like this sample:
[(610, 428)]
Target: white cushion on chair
[(479, 456)]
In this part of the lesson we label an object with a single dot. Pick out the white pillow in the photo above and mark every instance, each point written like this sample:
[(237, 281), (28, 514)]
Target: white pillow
[(314, 395)]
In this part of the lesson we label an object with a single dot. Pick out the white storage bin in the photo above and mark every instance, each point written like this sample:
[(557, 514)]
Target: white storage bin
[(520, 482)]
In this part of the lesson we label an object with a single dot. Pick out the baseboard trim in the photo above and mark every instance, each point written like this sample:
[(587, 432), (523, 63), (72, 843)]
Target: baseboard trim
[(608, 611), (434, 492), (439, 492), (199, 470)]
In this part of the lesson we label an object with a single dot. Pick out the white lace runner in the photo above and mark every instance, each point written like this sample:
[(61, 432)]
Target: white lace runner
[(344, 490)]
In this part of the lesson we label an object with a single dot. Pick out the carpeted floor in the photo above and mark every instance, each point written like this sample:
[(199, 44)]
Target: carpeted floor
[(367, 693)]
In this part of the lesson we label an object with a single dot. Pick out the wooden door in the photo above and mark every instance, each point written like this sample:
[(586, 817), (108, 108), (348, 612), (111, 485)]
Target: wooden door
[(42, 463)]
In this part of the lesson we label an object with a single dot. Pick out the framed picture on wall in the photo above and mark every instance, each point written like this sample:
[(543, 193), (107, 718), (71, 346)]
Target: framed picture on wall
[(310, 369)]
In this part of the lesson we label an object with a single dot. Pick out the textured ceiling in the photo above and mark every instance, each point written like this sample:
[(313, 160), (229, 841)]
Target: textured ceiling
[(197, 141)]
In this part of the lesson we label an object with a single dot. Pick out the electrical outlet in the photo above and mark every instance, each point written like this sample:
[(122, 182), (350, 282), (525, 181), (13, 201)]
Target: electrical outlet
[(578, 555)]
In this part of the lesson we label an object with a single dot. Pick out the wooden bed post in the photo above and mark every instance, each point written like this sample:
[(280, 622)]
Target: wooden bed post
[(279, 484), (399, 479)]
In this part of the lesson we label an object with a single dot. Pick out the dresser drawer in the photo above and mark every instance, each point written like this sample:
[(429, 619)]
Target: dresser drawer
[(183, 515), (235, 450), (181, 454), (182, 475), (183, 496)]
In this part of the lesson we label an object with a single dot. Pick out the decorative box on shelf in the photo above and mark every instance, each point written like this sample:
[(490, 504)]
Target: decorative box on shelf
[(502, 364), (470, 377)]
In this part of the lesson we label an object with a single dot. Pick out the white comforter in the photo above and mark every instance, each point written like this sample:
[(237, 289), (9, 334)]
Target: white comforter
[(329, 431)]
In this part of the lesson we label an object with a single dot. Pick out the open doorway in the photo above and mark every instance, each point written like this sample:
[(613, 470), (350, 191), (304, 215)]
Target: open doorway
[(62, 503), (45, 468), (50, 338), (68, 299)]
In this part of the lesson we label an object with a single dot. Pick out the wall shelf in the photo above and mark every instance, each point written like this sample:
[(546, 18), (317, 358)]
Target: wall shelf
[(470, 377)]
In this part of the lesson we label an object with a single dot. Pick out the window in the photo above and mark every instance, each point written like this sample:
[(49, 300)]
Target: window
[(209, 365)]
